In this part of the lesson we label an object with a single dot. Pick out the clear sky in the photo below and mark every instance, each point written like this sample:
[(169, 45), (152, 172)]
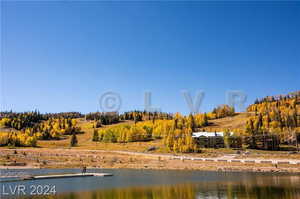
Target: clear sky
[(61, 56)]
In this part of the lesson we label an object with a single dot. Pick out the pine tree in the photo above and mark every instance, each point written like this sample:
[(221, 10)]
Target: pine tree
[(205, 120), (95, 136), (259, 122), (175, 122), (74, 140), (98, 124), (250, 127)]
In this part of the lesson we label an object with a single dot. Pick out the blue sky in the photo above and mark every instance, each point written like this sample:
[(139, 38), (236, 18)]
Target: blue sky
[(61, 56)]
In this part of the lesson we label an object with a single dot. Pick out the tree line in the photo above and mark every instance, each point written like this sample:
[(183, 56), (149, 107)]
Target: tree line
[(103, 118), (175, 130), (275, 115), (28, 127), (138, 116)]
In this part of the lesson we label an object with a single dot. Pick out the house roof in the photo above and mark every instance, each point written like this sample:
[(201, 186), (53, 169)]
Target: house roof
[(209, 134)]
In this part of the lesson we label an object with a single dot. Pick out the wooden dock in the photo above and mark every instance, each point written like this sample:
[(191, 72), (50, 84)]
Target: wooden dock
[(74, 175)]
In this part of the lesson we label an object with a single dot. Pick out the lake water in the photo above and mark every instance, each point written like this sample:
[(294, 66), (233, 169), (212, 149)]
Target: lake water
[(162, 184)]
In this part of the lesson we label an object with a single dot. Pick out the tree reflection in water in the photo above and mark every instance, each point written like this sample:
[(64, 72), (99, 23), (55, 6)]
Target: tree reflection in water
[(264, 189)]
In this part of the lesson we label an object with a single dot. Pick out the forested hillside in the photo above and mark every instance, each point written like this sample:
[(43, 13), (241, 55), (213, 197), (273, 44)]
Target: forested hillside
[(28, 127), (174, 130), (279, 115)]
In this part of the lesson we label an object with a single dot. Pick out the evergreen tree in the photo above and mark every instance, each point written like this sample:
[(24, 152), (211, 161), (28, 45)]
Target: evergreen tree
[(205, 120), (250, 127), (191, 122), (74, 140), (95, 136), (98, 124)]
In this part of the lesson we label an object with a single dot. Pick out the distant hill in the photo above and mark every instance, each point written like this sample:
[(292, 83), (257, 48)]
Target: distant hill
[(272, 114)]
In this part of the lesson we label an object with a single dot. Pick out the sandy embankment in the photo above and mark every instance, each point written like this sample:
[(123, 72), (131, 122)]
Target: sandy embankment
[(75, 158)]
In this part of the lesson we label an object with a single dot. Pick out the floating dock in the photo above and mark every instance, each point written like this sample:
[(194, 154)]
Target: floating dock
[(74, 175)]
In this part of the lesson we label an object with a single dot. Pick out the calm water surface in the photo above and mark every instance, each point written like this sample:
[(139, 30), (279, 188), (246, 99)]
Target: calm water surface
[(146, 184)]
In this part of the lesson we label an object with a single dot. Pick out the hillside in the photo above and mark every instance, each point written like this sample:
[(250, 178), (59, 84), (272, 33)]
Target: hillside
[(85, 140), (139, 130), (237, 121)]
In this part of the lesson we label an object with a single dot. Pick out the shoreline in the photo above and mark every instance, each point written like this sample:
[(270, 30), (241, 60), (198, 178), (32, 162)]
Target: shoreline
[(161, 169), (76, 158)]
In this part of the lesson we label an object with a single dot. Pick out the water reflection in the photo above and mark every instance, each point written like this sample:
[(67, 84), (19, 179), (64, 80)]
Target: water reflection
[(162, 184), (265, 189)]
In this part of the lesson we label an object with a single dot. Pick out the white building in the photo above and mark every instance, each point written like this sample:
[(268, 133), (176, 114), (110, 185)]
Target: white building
[(209, 134)]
